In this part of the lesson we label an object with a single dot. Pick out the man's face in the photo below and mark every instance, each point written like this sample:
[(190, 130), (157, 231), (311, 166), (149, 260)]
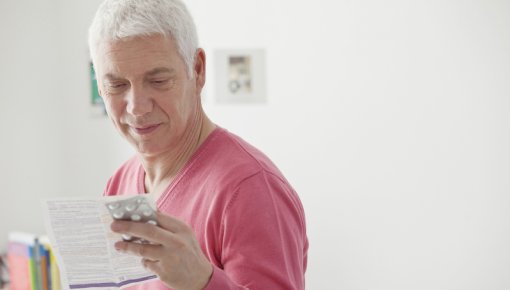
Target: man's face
[(147, 92)]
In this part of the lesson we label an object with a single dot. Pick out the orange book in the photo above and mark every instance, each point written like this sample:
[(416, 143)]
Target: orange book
[(44, 272), (52, 280)]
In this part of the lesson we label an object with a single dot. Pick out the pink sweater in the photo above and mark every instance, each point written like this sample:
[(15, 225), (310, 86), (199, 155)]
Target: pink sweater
[(247, 218)]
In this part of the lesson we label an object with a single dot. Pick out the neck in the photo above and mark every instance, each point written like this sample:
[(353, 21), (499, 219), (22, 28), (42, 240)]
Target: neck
[(161, 169)]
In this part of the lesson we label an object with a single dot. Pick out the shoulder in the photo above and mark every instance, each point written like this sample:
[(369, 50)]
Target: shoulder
[(235, 159), (227, 167), (247, 175)]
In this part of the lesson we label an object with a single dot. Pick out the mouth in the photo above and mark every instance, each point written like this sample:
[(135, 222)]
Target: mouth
[(145, 130)]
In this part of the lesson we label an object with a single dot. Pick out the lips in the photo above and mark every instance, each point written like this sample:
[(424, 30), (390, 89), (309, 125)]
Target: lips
[(145, 130)]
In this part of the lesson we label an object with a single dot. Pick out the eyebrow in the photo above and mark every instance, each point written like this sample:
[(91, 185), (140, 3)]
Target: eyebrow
[(152, 72), (111, 76), (158, 70)]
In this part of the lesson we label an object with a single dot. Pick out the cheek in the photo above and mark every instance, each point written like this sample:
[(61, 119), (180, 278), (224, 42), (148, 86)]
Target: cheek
[(113, 108), (178, 111)]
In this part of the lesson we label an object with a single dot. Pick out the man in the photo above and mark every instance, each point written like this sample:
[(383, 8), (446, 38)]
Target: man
[(227, 218)]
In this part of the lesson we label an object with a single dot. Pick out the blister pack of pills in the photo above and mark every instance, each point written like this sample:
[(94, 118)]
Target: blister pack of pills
[(136, 208)]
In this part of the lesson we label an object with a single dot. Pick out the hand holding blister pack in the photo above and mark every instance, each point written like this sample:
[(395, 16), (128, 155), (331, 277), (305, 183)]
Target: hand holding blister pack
[(137, 208)]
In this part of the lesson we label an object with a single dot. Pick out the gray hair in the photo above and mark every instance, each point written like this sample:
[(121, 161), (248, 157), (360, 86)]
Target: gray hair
[(117, 19)]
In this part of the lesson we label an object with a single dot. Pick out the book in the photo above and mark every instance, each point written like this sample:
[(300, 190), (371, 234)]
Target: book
[(52, 271), (29, 262), (19, 253)]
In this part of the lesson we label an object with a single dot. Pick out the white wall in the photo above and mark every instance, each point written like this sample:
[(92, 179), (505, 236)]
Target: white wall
[(390, 118), (52, 143), (30, 164)]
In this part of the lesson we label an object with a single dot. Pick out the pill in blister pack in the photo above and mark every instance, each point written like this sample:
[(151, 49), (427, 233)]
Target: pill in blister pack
[(136, 209)]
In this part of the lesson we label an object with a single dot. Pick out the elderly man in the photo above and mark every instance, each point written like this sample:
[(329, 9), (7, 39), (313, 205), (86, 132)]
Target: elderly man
[(227, 218)]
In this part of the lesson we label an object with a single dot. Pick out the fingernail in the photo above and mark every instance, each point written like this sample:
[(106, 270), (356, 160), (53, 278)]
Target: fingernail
[(118, 247), (115, 227), (144, 264)]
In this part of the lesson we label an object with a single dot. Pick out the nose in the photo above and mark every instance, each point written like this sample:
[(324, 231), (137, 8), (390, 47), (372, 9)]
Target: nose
[(139, 102)]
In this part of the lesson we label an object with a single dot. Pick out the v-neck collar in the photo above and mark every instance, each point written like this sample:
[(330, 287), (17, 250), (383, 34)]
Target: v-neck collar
[(166, 195)]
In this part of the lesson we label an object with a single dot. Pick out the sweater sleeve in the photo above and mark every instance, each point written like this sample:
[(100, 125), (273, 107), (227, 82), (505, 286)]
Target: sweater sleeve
[(263, 240)]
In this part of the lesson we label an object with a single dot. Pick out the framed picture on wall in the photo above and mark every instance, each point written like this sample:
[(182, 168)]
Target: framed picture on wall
[(240, 76), (96, 101)]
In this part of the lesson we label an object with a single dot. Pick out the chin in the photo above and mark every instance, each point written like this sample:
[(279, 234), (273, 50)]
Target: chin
[(147, 149)]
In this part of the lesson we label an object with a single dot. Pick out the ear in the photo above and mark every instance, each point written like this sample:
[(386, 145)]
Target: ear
[(199, 69)]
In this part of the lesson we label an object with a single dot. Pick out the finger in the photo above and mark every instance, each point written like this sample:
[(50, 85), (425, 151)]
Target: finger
[(148, 232), (146, 251), (170, 223), (150, 265)]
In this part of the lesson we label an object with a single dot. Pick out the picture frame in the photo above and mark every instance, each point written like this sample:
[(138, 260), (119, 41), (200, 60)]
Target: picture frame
[(240, 76)]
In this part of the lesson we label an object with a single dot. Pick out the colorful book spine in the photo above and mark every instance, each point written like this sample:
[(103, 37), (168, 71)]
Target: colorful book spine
[(31, 263), (52, 273), (44, 269), (55, 273), (19, 253)]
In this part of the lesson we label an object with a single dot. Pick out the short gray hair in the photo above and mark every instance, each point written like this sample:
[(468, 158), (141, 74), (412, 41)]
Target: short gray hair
[(117, 19)]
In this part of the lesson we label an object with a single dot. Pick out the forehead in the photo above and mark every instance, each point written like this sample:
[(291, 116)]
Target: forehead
[(136, 55)]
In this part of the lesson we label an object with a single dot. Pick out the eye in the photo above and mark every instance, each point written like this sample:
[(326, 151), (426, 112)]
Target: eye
[(159, 81), (116, 85)]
